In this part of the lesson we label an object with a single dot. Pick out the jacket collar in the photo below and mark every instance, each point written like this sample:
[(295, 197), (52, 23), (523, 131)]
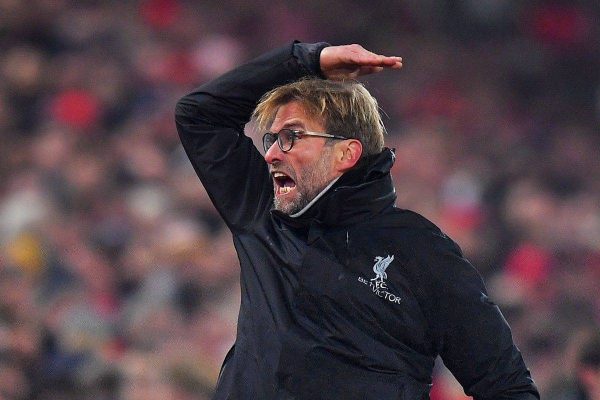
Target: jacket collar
[(364, 191)]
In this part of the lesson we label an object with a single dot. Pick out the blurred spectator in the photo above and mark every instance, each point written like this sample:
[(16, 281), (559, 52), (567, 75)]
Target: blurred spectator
[(582, 382), (588, 366)]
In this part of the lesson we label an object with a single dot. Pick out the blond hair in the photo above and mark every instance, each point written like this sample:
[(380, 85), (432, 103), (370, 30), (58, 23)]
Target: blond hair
[(345, 108)]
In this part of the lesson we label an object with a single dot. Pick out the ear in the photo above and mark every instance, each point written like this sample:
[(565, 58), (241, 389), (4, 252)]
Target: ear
[(347, 153)]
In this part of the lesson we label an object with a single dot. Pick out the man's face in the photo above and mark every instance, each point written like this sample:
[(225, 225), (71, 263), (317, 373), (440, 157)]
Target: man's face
[(305, 170)]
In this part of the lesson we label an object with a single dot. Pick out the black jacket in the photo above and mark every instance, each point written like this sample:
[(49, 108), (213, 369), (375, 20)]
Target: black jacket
[(355, 298)]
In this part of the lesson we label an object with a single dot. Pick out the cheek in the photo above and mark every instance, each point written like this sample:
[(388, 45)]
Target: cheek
[(299, 163), (308, 163)]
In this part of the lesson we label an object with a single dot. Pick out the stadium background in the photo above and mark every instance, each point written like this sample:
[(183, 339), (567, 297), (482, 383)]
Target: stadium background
[(117, 279)]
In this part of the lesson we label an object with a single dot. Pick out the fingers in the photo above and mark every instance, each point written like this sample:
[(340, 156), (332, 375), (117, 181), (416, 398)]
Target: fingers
[(350, 61), (377, 60), (361, 56), (366, 70), (391, 62)]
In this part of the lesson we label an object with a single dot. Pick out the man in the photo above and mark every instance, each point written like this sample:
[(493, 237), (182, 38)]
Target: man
[(344, 296)]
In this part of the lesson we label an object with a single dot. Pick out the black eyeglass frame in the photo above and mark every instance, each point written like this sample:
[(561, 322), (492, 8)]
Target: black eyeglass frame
[(294, 134)]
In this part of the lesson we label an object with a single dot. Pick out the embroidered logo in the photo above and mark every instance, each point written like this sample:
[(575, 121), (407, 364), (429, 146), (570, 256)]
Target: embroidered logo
[(380, 266), (378, 284)]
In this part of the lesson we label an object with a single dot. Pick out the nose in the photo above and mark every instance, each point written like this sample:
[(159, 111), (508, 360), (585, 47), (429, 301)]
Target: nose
[(273, 154)]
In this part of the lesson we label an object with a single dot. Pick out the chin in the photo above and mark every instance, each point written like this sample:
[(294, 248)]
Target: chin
[(288, 207)]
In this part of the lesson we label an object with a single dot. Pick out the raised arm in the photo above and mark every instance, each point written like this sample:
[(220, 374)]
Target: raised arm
[(210, 120)]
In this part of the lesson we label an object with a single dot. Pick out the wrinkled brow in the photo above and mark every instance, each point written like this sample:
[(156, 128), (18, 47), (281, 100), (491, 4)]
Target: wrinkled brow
[(293, 123)]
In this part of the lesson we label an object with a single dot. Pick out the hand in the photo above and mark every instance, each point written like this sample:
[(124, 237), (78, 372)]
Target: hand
[(353, 60)]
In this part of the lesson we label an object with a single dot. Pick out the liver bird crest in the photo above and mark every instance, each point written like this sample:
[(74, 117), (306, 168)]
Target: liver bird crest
[(380, 266)]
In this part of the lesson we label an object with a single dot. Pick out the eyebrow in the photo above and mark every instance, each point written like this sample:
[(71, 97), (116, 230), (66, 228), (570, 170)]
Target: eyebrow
[(294, 123)]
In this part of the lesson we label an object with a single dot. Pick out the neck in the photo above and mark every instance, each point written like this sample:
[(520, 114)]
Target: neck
[(313, 201)]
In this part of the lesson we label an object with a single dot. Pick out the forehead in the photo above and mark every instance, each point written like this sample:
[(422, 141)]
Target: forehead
[(294, 115)]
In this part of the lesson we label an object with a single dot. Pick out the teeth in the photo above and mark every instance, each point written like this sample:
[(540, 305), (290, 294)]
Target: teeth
[(278, 174), (284, 190)]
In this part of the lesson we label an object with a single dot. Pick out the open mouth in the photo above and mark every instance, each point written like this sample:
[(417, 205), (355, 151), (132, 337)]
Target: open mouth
[(283, 183)]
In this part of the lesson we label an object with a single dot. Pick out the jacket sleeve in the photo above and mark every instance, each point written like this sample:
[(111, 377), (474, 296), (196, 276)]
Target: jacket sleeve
[(210, 122), (472, 337)]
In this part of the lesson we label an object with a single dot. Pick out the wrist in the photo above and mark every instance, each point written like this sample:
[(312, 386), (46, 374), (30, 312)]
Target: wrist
[(308, 56)]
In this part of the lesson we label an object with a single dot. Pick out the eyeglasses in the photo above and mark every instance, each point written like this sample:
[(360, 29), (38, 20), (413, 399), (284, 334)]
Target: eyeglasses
[(285, 138)]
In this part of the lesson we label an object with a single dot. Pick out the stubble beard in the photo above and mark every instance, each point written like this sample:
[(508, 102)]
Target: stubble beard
[(314, 179)]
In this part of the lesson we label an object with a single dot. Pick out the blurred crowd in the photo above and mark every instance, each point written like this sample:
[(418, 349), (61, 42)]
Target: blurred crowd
[(119, 281)]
